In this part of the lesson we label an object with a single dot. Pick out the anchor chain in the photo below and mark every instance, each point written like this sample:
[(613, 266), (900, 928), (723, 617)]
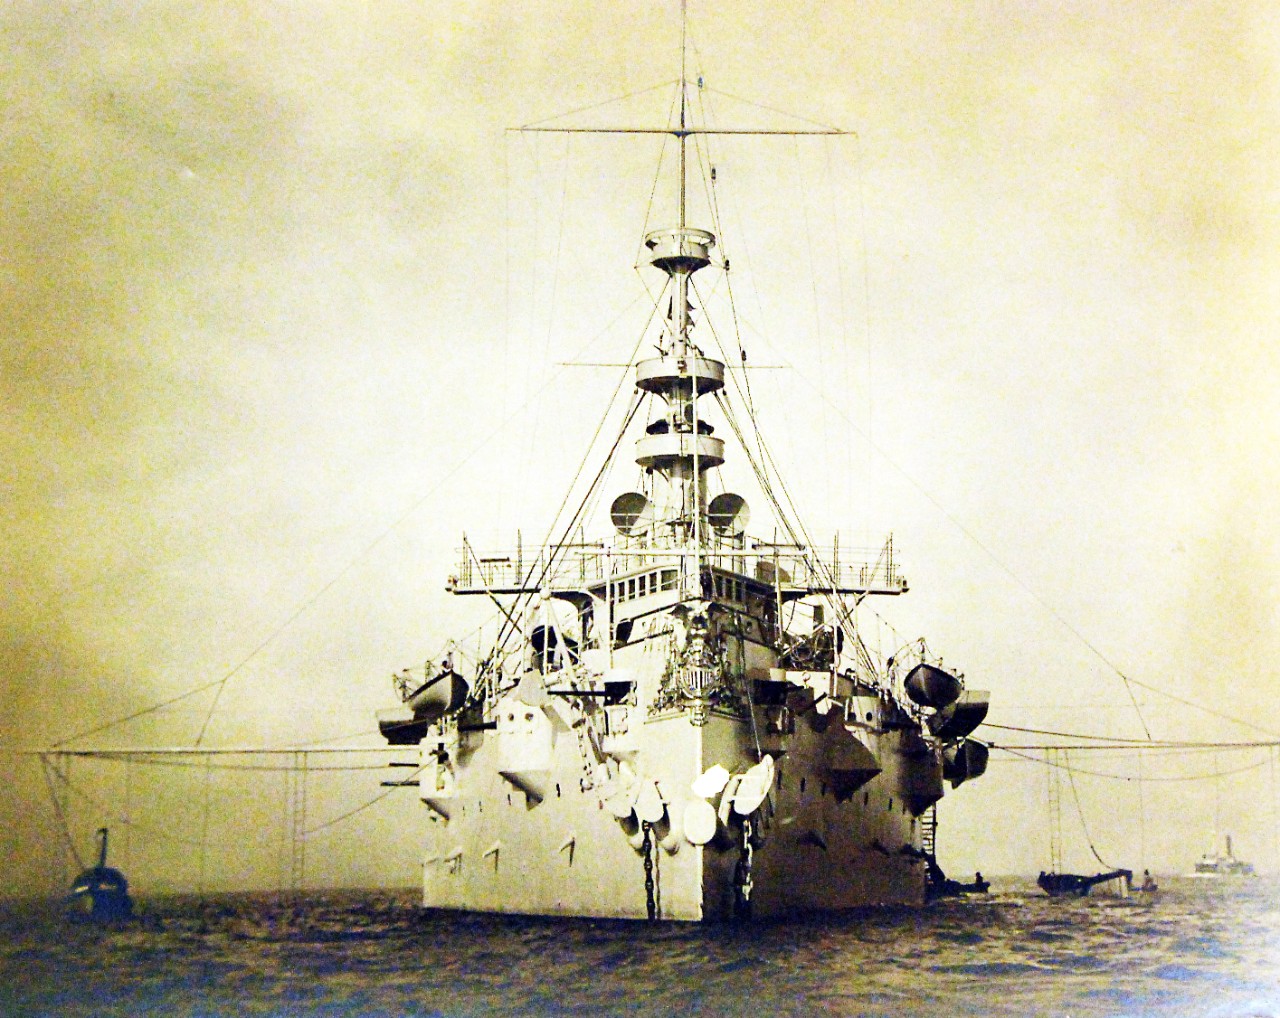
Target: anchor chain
[(742, 879), (584, 730), (650, 901)]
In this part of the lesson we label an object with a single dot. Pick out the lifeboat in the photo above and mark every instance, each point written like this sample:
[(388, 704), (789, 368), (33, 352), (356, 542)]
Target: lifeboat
[(967, 759), (930, 686), (440, 695), (958, 719)]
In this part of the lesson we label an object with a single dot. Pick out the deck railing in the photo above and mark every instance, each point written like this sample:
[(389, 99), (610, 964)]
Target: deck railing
[(584, 564)]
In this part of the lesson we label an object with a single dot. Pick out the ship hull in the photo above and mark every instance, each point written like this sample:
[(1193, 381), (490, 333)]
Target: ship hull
[(547, 840)]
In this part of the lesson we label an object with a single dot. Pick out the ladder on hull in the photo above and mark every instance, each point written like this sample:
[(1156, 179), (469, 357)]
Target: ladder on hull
[(929, 832)]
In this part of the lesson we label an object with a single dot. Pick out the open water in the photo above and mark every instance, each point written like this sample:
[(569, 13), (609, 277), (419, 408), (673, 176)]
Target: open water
[(1190, 950)]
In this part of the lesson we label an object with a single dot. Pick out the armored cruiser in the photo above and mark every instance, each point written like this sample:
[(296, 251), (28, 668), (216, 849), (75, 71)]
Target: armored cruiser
[(680, 719)]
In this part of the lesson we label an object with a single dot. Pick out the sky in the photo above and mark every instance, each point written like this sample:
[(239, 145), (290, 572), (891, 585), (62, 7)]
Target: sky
[(287, 308)]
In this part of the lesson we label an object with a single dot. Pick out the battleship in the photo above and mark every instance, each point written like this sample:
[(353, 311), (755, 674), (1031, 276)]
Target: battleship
[(679, 719)]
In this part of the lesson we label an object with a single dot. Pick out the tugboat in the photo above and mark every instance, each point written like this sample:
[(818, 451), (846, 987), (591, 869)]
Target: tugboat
[(1213, 865), (101, 893), (681, 720)]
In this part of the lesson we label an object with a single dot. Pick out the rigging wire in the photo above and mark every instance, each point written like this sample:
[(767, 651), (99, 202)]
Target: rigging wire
[(1125, 742), (1035, 756), (594, 106), (359, 557), (1080, 813), (206, 762), (1126, 680), (1275, 805), (549, 560), (795, 116), (63, 825), (359, 809), (204, 823), (1068, 735), (814, 562), (163, 833), (522, 600), (1062, 620), (221, 682), (819, 567), (1142, 814), (1053, 800)]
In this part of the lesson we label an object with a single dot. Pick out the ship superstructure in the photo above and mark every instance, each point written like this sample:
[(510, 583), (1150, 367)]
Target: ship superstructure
[(1214, 864), (679, 719)]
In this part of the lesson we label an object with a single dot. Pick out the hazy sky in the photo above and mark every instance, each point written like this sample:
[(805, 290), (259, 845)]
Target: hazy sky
[(283, 304)]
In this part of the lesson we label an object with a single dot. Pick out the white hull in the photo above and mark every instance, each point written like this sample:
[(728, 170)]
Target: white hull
[(543, 839)]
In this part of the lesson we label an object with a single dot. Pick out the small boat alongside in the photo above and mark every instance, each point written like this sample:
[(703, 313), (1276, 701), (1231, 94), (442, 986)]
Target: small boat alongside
[(100, 893), (1061, 885), (950, 888)]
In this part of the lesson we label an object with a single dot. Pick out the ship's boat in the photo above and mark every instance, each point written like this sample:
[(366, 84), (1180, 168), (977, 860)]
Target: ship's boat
[(443, 693), (100, 892), (1058, 885), (952, 888), (1214, 864), (931, 686), (680, 719), (438, 696)]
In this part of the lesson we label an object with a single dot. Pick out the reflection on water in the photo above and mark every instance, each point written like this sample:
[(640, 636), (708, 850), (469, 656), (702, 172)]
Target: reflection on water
[(1190, 950)]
